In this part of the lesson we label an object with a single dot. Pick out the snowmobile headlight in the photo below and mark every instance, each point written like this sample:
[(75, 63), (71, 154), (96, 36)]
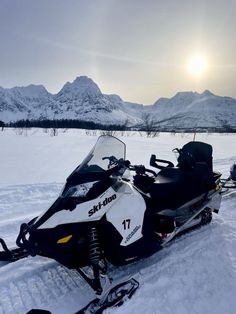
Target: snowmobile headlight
[(80, 190)]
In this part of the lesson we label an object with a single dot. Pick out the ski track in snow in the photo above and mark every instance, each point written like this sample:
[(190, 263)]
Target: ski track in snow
[(38, 282), (195, 273)]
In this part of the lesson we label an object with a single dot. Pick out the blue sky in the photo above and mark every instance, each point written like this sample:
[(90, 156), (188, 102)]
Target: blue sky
[(138, 49)]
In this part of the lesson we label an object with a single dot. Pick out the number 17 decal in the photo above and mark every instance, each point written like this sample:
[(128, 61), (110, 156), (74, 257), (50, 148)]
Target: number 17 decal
[(126, 224)]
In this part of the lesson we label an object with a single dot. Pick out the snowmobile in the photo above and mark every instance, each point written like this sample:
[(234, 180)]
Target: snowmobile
[(112, 212), (233, 173), (230, 182)]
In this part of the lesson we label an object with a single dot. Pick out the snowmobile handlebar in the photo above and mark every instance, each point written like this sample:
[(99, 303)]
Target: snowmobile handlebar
[(141, 170), (121, 164)]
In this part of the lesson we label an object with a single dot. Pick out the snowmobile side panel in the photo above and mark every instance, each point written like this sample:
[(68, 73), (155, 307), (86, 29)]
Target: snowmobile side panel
[(117, 254), (87, 211), (121, 215)]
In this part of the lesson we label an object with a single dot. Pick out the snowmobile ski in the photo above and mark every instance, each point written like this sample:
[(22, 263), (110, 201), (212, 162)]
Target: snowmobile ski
[(115, 297), (12, 255)]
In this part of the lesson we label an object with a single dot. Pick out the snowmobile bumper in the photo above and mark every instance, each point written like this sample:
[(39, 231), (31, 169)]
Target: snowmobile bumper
[(13, 255)]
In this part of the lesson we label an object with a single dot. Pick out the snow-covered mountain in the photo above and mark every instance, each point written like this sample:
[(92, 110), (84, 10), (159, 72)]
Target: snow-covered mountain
[(83, 100), (23, 102), (194, 110)]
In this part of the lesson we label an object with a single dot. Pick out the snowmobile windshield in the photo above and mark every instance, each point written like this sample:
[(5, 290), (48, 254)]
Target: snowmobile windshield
[(103, 157)]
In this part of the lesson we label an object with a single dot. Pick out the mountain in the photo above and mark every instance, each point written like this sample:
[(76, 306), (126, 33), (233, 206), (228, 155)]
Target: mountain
[(193, 110), (23, 102), (83, 100)]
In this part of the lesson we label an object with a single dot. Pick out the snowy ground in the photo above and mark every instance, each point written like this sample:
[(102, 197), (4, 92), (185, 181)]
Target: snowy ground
[(194, 274)]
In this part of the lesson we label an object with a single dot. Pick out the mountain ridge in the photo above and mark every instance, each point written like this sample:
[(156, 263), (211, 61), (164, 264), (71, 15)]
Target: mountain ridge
[(82, 99)]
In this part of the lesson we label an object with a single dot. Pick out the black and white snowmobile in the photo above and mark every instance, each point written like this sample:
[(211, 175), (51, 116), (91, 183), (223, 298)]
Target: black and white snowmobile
[(233, 173), (230, 182), (104, 215)]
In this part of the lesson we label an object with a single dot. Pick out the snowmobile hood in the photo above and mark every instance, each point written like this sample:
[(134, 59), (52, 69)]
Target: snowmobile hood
[(90, 178)]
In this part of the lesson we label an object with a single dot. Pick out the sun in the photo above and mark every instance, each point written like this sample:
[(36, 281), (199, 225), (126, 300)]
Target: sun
[(197, 65)]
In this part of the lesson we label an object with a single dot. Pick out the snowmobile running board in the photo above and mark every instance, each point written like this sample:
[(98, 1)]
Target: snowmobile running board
[(185, 225)]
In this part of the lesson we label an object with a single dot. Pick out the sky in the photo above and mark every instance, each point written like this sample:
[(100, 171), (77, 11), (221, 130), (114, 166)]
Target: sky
[(139, 49)]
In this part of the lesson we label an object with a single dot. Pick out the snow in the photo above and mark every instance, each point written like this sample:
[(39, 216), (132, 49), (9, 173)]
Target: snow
[(196, 273)]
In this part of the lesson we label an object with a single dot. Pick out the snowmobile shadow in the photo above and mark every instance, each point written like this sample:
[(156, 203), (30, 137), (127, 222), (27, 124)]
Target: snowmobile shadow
[(162, 257), (196, 239), (2, 264)]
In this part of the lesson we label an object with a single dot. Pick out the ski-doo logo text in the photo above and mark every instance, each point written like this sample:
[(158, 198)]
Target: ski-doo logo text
[(97, 207)]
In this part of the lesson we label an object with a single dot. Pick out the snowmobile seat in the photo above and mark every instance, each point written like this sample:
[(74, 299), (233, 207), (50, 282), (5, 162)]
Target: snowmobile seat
[(175, 186), (168, 189), (194, 152)]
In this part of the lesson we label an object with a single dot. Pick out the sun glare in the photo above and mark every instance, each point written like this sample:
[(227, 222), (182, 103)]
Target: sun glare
[(197, 65)]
